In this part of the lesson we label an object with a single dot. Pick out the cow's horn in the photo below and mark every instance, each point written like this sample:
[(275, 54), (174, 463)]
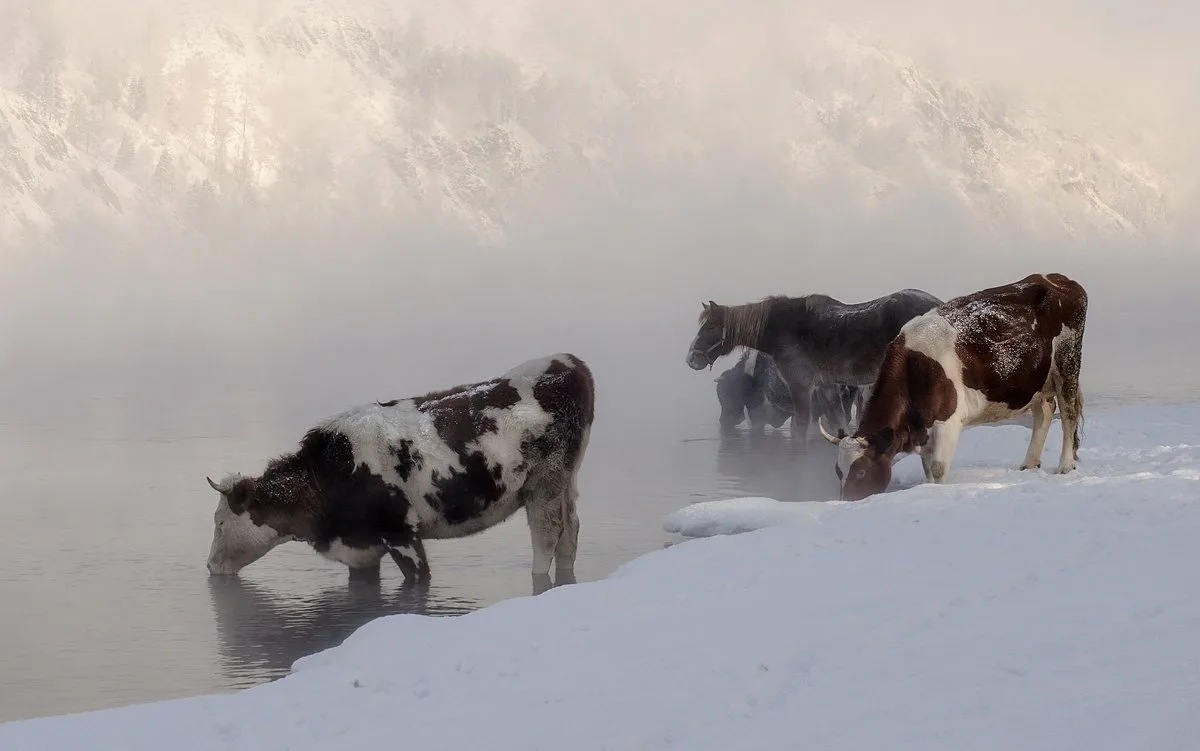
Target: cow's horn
[(824, 432), (214, 486)]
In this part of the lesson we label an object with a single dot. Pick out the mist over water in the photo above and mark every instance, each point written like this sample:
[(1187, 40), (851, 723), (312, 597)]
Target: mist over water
[(140, 356)]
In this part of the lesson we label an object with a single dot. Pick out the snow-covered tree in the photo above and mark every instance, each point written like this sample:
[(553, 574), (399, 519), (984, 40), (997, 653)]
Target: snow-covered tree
[(163, 182)]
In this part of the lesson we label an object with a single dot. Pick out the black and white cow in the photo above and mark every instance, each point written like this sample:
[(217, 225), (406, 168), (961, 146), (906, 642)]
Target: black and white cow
[(382, 477)]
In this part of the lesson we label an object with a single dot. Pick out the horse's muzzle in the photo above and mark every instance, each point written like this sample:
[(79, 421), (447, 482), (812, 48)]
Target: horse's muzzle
[(697, 361)]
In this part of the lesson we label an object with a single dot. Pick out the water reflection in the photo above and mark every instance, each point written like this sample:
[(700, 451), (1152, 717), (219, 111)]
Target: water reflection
[(261, 632), (772, 464)]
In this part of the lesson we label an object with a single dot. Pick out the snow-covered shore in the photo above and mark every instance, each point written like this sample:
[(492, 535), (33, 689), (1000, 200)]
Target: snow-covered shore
[(1005, 610)]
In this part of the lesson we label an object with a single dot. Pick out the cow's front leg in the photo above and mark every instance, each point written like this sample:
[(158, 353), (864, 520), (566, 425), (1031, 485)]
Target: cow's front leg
[(941, 447), (367, 574), (410, 556)]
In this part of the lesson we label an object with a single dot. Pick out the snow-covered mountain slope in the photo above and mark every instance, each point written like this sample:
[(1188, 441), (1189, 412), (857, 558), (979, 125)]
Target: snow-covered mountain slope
[(310, 109)]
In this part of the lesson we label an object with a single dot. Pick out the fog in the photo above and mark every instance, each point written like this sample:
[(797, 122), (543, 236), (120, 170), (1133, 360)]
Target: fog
[(325, 318), (351, 307)]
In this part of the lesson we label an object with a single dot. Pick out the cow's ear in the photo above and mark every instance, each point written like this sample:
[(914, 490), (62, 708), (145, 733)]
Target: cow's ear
[(881, 440)]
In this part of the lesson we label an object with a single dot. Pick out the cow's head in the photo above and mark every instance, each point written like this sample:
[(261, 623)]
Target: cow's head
[(238, 539), (733, 392), (864, 463)]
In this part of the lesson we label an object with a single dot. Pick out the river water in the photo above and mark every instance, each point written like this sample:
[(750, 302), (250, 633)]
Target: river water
[(107, 522)]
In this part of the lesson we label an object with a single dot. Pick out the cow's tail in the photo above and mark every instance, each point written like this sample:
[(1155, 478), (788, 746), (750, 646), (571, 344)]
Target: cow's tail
[(1078, 419)]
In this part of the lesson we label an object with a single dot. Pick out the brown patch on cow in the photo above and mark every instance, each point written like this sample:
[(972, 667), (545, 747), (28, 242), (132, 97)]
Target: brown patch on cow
[(567, 392), (458, 413), (271, 500), (911, 393), (1005, 334), (565, 388)]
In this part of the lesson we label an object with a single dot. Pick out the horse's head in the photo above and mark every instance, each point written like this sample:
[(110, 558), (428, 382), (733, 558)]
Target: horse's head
[(710, 342)]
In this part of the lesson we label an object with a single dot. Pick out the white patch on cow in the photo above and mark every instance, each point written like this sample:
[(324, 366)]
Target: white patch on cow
[(408, 553), (237, 540), (340, 552), (751, 362), (849, 450), (934, 336)]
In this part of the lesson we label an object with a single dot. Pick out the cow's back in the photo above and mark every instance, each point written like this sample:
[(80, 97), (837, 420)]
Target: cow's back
[(999, 342)]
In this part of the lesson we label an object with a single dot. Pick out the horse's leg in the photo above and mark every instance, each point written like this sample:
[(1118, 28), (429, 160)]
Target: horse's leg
[(848, 396), (801, 408)]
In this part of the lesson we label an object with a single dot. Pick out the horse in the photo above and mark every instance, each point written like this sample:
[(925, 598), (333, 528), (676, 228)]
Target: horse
[(814, 339)]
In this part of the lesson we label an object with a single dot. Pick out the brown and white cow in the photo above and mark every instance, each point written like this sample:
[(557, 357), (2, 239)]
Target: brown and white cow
[(980, 358)]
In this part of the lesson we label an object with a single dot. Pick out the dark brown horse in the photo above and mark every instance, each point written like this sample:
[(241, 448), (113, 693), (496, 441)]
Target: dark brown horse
[(814, 339)]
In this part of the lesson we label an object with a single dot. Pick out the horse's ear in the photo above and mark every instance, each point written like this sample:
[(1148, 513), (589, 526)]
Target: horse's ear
[(712, 304)]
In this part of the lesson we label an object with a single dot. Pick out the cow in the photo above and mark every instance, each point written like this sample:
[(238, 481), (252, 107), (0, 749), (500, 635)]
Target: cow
[(980, 358), (380, 478), (754, 388)]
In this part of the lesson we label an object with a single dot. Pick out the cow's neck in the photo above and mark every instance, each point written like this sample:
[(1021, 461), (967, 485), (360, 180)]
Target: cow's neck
[(890, 404), (289, 494)]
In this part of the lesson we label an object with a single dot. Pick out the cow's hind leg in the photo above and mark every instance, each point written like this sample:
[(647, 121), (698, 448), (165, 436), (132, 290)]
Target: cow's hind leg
[(543, 510), (568, 538), (1043, 410), (1067, 360)]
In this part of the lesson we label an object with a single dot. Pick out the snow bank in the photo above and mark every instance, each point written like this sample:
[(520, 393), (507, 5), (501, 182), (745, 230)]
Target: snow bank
[(987, 459), (1008, 610), (737, 515)]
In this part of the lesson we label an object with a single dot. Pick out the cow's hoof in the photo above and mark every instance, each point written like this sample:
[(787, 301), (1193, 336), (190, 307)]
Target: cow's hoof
[(563, 576), (541, 583), (1031, 466)]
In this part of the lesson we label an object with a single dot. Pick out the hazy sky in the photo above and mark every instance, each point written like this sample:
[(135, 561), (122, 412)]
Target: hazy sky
[(368, 309)]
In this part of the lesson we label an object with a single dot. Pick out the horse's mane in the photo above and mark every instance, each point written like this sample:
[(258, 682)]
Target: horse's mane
[(744, 324)]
